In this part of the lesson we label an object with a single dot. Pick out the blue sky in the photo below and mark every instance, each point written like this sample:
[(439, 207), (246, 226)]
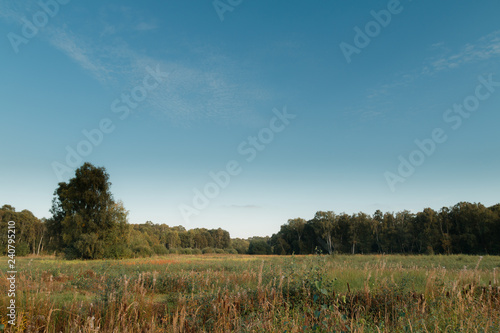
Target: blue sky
[(217, 82)]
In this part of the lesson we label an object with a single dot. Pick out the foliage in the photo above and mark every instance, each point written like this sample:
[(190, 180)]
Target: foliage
[(469, 228), (259, 245), (240, 293), (29, 231), (86, 220), (88, 223)]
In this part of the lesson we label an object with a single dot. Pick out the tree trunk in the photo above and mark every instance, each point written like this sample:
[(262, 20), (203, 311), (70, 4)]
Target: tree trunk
[(39, 245), (329, 240)]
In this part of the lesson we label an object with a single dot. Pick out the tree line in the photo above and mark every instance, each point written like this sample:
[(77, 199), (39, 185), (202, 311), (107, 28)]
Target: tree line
[(467, 228), (88, 223), (35, 236)]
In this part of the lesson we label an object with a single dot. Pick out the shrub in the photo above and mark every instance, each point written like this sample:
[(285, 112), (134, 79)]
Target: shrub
[(118, 251), (207, 250), (142, 250), (160, 249), (240, 245), (196, 251)]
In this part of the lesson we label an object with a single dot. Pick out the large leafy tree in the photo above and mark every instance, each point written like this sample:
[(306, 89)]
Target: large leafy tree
[(87, 223)]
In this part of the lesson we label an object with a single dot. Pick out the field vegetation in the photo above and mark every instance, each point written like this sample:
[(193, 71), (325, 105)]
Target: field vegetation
[(243, 293)]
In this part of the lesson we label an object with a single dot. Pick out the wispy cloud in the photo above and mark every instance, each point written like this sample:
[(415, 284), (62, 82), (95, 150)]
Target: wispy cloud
[(80, 52), (13, 11), (191, 92), (485, 48), (208, 85), (378, 100)]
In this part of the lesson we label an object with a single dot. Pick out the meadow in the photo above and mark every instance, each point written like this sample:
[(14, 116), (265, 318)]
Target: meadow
[(243, 293)]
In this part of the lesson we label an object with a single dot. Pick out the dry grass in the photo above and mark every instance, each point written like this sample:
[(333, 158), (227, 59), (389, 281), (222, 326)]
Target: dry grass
[(235, 293)]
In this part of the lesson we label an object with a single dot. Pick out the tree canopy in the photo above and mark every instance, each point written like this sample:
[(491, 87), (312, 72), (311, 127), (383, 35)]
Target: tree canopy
[(87, 223), (29, 231), (468, 228)]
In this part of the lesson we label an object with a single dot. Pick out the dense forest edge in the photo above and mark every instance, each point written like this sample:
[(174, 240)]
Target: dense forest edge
[(87, 223)]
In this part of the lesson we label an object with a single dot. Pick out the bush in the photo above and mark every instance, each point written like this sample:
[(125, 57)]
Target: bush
[(207, 250), (242, 250), (196, 251), (160, 249), (118, 251), (175, 251), (240, 245), (231, 251), (142, 250), (220, 251), (188, 251)]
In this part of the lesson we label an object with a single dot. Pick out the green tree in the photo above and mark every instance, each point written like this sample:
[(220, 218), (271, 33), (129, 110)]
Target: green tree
[(172, 239), (29, 230), (240, 245), (426, 232), (360, 233), (297, 226), (259, 245), (326, 226), (86, 220), (221, 238), (495, 228), (376, 227)]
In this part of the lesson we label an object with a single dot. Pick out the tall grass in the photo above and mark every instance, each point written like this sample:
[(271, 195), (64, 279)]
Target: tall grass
[(238, 293)]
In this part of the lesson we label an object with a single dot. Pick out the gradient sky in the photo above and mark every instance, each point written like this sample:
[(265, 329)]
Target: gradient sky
[(353, 120)]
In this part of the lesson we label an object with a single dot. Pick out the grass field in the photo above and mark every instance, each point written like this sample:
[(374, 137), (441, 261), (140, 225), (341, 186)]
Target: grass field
[(240, 293)]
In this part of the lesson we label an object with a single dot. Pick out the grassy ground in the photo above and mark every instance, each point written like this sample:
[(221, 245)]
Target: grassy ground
[(227, 293)]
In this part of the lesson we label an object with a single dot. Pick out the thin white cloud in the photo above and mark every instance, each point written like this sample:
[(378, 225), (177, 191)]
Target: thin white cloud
[(189, 93), (485, 48), (212, 87), (77, 50), (13, 11)]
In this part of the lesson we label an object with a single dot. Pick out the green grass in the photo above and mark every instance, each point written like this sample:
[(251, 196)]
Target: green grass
[(223, 293)]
